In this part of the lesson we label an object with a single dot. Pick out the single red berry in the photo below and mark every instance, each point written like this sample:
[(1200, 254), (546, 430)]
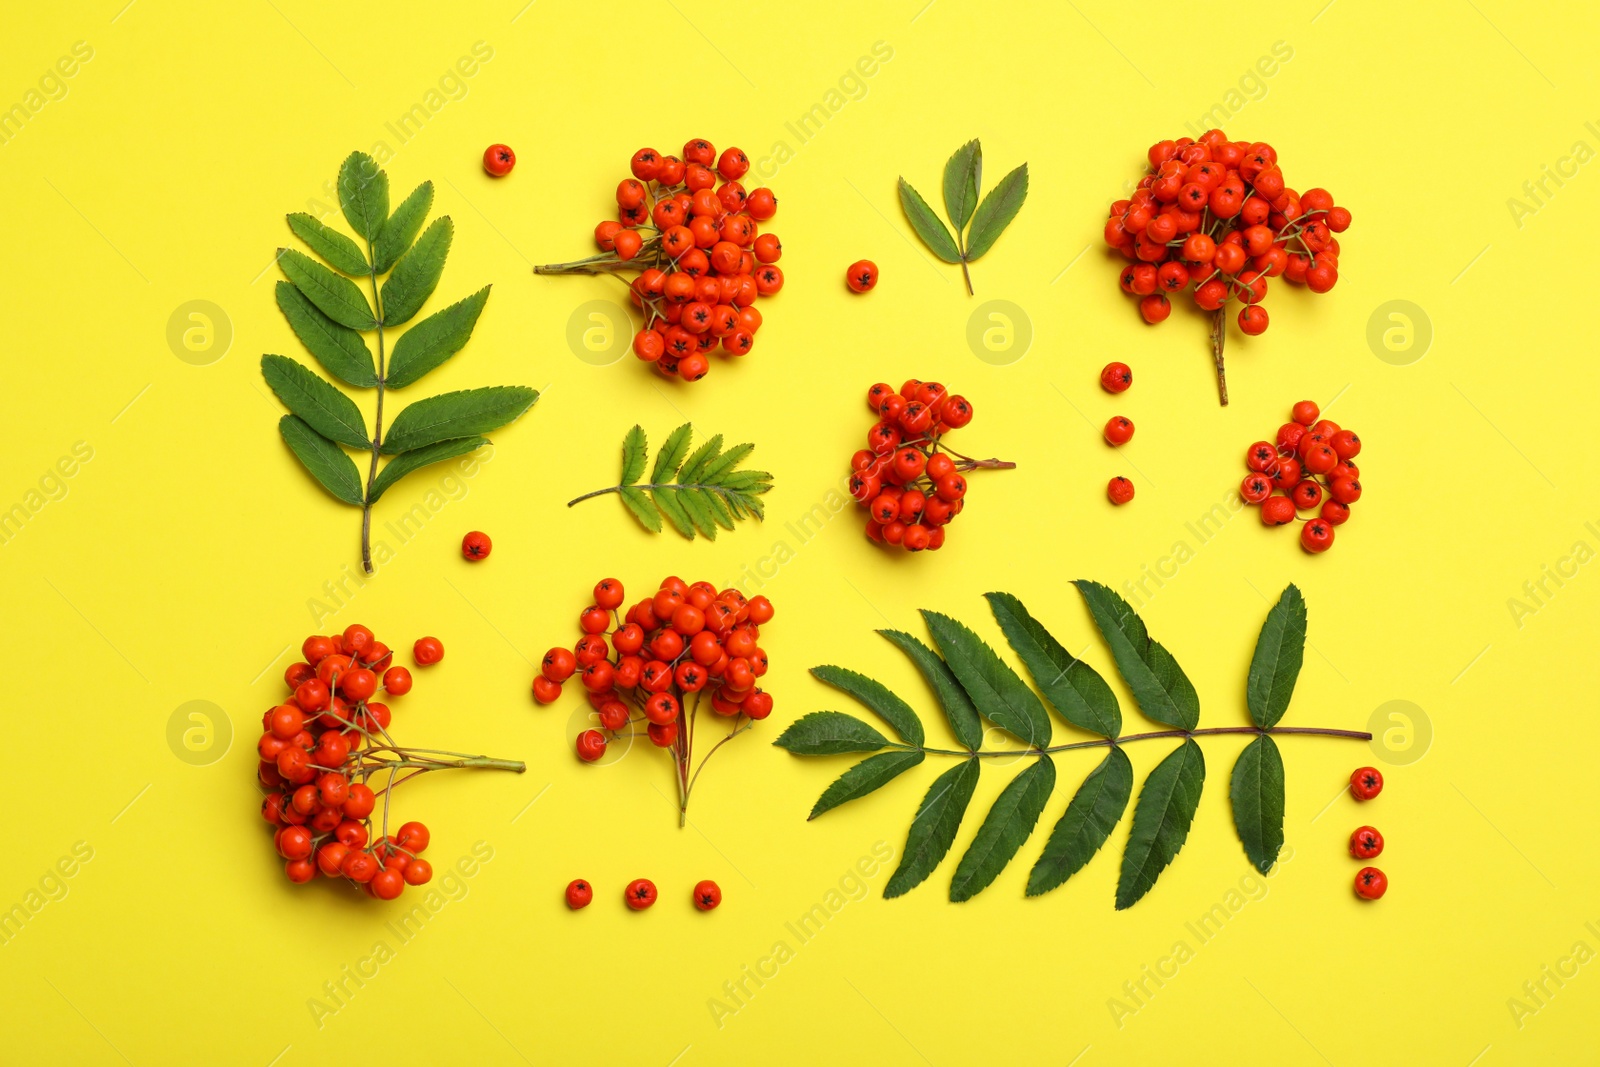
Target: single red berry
[(1335, 513), (1371, 883), (1306, 495), (579, 893), (1345, 490), (1316, 535), (498, 160), (1119, 431), (1119, 490), (862, 276), (1277, 510), (707, 895), (1116, 377), (1366, 843), (591, 745), (1261, 457), (396, 681), (1255, 488), (427, 651), (476, 546), (1305, 413), (1366, 783), (640, 894)]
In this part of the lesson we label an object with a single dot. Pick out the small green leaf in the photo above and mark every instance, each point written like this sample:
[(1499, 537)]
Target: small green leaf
[(406, 462), (648, 514), (934, 827), (634, 451), (996, 212), (1002, 697), (329, 243), (402, 228), (1008, 824), (703, 456), (876, 696), (698, 509), (434, 340), (715, 471), (1275, 667), (465, 413), (1163, 691), (329, 465), (1089, 819), (962, 176), (363, 194), (1257, 796), (932, 231), (417, 273), (826, 733), (335, 295), (342, 351), (325, 409), (1161, 820), (964, 722), (670, 457), (1071, 686), (667, 500), (870, 774)]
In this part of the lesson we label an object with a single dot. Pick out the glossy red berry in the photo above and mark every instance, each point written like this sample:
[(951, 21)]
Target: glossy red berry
[(427, 651), (1316, 535), (1118, 431), (1305, 413), (1366, 783), (579, 894), (476, 545), (707, 895), (1116, 377), (1371, 883), (396, 681), (640, 894), (1277, 511), (591, 745), (1119, 490), (862, 276), (498, 160), (1255, 488), (1366, 843)]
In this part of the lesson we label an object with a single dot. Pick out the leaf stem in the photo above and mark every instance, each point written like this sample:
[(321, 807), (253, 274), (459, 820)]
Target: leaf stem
[(377, 424), (722, 489), (1106, 742)]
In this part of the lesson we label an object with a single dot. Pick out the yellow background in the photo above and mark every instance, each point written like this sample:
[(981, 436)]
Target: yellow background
[(180, 563)]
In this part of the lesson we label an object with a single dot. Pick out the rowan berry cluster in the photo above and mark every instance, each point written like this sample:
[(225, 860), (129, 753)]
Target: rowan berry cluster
[(1310, 466), (323, 745), (1217, 215), (680, 647), (908, 479), (702, 259)]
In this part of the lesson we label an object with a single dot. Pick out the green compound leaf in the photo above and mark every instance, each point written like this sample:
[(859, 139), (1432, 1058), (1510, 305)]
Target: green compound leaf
[(933, 232), (1161, 821), (933, 828), (465, 413), (1163, 692), (1008, 824), (996, 691), (325, 409), (870, 774), (827, 733), (334, 295), (333, 246), (1275, 667), (964, 721), (329, 465), (1257, 796), (963, 173), (1071, 686), (1089, 819), (876, 696), (996, 212), (417, 273), (342, 351), (363, 194), (417, 458), (402, 228), (433, 340), (698, 494)]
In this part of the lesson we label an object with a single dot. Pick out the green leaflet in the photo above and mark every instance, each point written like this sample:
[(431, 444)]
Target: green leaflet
[(334, 295), (871, 773), (1161, 820), (826, 733), (708, 491), (465, 413), (670, 457), (963, 173), (341, 351), (363, 194), (933, 828), (434, 340), (325, 409), (1256, 793), (330, 244), (953, 699), (702, 457), (1163, 691), (648, 515), (329, 465), (888, 707), (933, 232), (417, 273), (1275, 667), (1071, 686), (1089, 819), (1008, 824), (1002, 697), (406, 462), (401, 228), (667, 501), (634, 452), (996, 212)]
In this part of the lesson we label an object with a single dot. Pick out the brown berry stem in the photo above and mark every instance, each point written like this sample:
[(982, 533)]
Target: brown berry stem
[(985, 464), (607, 262), (1219, 335)]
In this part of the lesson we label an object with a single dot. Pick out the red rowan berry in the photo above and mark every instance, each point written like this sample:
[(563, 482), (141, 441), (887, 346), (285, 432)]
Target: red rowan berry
[(476, 546), (1119, 490)]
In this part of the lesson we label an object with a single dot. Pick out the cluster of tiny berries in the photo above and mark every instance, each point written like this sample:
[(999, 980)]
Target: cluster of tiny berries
[(641, 894), (1216, 214), (1366, 843), (315, 752), (685, 640), (1310, 466), (704, 260), (1117, 378), (910, 488)]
